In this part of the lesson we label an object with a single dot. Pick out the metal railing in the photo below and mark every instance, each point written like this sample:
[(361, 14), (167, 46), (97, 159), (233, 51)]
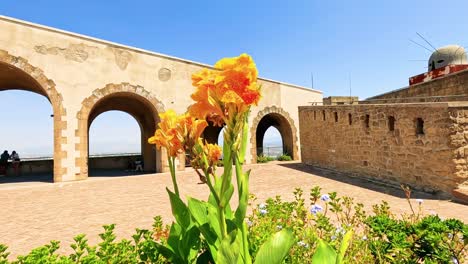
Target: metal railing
[(270, 151)]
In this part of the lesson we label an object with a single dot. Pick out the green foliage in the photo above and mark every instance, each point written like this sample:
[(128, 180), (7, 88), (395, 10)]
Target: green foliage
[(3, 254), (264, 159), (429, 240), (141, 250), (327, 254), (324, 254), (278, 232), (379, 237), (275, 249), (284, 157)]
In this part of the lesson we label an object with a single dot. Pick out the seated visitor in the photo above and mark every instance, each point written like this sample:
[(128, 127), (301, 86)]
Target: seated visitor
[(4, 162), (139, 165), (15, 161), (130, 165)]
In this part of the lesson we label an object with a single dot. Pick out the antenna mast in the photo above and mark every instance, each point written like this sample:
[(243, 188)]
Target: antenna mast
[(350, 91), (312, 79), (427, 41)]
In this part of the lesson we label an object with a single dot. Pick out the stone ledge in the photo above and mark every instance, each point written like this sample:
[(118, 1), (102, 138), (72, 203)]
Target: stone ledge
[(461, 195)]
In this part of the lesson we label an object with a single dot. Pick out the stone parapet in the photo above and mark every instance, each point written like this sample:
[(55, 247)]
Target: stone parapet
[(422, 145), (446, 88)]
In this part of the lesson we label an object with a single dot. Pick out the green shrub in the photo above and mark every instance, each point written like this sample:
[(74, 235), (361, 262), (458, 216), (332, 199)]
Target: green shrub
[(284, 157), (264, 159)]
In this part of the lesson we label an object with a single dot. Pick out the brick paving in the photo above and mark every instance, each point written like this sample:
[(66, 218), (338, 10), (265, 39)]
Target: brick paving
[(33, 214)]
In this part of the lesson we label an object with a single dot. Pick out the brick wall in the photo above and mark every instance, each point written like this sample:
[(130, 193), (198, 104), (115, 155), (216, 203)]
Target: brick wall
[(358, 139), (449, 88)]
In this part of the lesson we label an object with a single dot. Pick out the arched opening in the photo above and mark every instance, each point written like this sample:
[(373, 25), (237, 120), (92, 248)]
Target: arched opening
[(146, 116), (27, 126), (220, 141), (114, 147), (281, 124), (272, 143), (212, 133)]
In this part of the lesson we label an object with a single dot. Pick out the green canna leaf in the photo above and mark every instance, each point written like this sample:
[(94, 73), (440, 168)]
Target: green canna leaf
[(275, 249), (344, 246), (324, 254)]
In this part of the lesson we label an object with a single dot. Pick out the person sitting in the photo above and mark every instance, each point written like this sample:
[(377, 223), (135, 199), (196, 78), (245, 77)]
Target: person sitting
[(4, 162), (130, 166), (15, 161), (138, 164)]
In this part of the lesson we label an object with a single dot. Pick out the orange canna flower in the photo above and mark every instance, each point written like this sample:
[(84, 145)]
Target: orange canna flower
[(231, 87), (192, 129), (167, 135), (239, 74), (177, 132)]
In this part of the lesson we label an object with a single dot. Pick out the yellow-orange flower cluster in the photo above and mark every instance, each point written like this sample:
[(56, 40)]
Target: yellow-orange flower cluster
[(177, 132), (213, 153), (206, 156), (231, 86)]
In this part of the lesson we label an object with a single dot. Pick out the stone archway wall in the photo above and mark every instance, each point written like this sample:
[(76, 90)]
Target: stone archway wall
[(55, 98), (87, 107), (278, 111)]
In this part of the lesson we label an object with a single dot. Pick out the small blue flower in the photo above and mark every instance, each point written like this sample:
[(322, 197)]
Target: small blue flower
[(454, 260), (340, 230), (249, 223), (325, 198), (315, 209), (279, 227), (450, 235), (262, 206), (419, 201), (333, 237), (364, 237), (263, 211), (302, 244)]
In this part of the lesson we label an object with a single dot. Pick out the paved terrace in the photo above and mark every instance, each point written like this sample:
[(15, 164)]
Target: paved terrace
[(33, 214)]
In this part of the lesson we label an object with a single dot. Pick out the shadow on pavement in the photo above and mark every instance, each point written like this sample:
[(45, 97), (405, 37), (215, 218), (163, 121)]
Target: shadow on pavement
[(26, 180), (46, 178), (373, 185), (116, 173)]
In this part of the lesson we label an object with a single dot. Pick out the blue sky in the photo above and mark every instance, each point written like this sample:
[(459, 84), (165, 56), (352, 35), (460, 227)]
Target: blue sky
[(365, 40)]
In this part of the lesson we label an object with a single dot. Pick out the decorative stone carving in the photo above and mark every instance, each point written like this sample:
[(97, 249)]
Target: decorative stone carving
[(164, 74), (75, 52), (122, 58)]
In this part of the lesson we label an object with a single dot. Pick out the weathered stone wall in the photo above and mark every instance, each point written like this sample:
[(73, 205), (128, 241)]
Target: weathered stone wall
[(459, 142), (453, 87), (434, 159), (73, 71)]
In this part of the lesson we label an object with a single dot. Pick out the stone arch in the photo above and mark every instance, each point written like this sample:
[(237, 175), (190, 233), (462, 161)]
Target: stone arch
[(132, 99), (281, 120), (20, 74), (211, 133)]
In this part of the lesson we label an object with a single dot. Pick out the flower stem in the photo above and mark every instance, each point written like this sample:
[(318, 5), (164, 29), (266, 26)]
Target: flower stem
[(173, 176), (211, 187), (243, 193)]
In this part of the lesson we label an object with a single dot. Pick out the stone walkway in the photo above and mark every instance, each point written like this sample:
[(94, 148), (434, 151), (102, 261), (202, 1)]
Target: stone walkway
[(32, 215)]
